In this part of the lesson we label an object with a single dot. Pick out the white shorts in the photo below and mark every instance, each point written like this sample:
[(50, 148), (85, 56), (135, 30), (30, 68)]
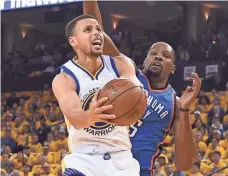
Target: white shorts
[(118, 164)]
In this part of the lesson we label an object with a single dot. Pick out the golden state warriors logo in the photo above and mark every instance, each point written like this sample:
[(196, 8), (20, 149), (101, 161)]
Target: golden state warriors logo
[(99, 128)]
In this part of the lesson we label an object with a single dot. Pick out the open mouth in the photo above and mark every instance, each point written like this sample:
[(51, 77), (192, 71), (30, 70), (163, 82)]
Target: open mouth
[(97, 43), (156, 65)]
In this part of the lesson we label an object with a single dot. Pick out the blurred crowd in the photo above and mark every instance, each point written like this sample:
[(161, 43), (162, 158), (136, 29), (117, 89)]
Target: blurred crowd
[(47, 55), (211, 45), (44, 57), (34, 137)]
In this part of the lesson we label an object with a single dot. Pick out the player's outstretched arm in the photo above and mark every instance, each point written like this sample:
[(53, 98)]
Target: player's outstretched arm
[(92, 8), (126, 68), (64, 89), (185, 146)]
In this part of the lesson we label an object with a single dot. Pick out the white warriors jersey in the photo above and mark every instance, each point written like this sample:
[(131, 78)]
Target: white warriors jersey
[(101, 137)]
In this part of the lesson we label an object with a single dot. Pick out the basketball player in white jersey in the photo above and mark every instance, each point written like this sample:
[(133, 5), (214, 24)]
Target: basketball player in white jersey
[(98, 148)]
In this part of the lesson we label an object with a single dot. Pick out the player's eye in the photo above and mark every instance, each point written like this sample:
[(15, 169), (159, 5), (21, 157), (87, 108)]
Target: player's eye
[(153, 53), (87, 29), (99, 29)]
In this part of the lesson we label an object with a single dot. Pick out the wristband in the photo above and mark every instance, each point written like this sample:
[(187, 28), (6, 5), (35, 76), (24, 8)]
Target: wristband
[(184, 110)]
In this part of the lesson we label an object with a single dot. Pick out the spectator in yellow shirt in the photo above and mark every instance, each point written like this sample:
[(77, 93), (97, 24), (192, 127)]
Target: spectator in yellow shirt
[(6, 149), (36, 116), (17, 127), (58, 171), (31, 157), (47, 111), (51, 143), (215, 147), (217, 163), (31, 109), (51, 119), (201, 146), (39, 107), (224, 143), (22, 138), (23, 119), (46, 170), (197, 125), (195, 170), (35, 145), (49, 155), (62, 141), (55, 133), (18, 161), (204, 168), (204, 103), (54, 108), (27, 170), (6, 164)]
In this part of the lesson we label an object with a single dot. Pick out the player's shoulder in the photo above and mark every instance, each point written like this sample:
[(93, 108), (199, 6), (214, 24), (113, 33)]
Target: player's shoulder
[(123, 62), (63, 79), (67, 64)]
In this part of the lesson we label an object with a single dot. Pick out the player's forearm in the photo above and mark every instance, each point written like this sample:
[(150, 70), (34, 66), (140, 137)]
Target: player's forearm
[(92, 8), (185, 147), (76, 117)]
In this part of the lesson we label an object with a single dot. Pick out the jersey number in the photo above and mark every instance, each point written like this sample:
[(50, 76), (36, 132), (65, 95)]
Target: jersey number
[(134, 128)]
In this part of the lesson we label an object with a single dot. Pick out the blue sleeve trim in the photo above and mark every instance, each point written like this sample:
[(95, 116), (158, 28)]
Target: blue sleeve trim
[(114, 66), (137, 72), (65, 69)]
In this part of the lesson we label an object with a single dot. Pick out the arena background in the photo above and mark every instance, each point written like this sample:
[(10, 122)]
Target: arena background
[(33, 45)]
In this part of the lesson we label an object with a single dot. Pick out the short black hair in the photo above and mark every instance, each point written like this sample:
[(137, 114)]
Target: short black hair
[(197, 164), (215, 139), (217, 152), (174, 54), (70, 26)]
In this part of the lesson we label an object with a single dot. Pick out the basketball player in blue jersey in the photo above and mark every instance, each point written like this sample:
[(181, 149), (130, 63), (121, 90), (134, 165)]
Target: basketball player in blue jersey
[(97, 147), (164, 110)]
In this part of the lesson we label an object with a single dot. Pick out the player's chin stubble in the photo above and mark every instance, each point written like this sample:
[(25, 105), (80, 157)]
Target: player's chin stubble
[(96, 54), (150, 73)]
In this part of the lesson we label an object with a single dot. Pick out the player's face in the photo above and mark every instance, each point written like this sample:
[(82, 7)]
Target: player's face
[(159, 61), (88, 38)]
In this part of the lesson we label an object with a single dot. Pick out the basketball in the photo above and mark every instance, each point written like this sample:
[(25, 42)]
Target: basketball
[(128, 99)]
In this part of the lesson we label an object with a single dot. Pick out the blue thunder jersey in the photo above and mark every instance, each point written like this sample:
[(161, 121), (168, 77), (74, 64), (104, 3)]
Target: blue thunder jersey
[(148, 133)]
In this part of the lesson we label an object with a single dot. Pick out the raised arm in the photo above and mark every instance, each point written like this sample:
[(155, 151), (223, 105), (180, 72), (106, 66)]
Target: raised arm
[(92, 8), (185, 146), (126, 68), (64, 89)]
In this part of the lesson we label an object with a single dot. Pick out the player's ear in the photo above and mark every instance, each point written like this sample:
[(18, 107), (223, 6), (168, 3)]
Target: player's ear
[(173, 69), (73, 42)]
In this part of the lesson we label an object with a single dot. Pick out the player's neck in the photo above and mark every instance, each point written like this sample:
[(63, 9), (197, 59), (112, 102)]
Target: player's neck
[(157, 83), (92, 64)]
